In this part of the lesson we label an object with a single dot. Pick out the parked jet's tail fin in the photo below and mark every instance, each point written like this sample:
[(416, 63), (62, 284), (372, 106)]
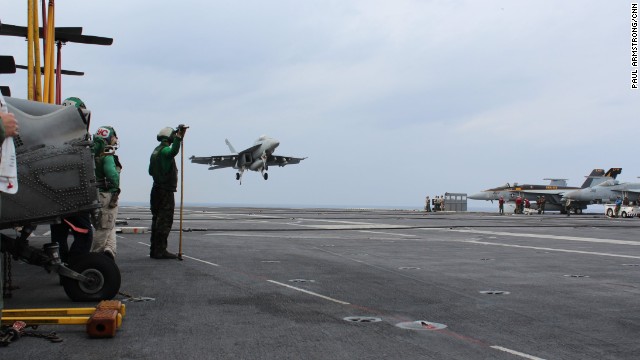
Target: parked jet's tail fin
[(597, 176), (230, 146), (613, 172), (556, 182)]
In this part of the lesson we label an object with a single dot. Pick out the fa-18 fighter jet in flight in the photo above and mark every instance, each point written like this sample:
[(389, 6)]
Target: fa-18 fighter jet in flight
[(257, 158)]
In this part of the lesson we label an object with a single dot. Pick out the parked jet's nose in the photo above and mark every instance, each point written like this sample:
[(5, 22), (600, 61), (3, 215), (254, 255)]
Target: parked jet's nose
[(573, 195), (481, 196)]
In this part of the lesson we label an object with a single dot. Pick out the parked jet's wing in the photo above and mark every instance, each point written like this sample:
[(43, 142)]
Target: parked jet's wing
[(279, 160), (216, 161)]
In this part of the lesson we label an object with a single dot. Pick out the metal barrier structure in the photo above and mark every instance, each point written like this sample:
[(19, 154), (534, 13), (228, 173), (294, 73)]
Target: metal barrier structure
[(455, 201)]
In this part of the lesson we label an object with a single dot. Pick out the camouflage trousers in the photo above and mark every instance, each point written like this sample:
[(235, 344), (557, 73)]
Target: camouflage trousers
[(104, 238), (162, 206)]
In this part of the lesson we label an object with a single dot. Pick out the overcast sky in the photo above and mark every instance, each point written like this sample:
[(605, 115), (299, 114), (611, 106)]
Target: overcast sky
[(389, 100)]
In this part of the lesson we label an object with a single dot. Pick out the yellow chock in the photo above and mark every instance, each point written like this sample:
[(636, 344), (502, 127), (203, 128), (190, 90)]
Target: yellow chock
[(103, 323)]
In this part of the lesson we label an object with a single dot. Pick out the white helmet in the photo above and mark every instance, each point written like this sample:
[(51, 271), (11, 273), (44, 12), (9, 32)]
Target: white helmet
[(165, 133)]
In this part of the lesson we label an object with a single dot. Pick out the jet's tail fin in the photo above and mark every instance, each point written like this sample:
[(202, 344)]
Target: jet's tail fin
[(557, 182), (594, 178), (601, 176), (230, 146), (613, 172)]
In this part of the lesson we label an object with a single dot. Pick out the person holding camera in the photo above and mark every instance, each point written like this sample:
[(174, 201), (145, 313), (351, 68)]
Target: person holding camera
[(163, 169), (107, 167), (8, 129)]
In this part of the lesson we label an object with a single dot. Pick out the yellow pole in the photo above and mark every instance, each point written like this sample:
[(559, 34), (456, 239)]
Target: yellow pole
[(51, 44), (44, 312), (30, 47), (49, 56)]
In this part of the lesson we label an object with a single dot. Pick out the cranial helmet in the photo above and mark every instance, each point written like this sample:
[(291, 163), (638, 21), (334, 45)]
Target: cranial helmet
[(74, 101), (107, 133), (165, 133)]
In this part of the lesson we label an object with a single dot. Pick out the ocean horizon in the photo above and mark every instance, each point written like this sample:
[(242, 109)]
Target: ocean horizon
[(470, 207)]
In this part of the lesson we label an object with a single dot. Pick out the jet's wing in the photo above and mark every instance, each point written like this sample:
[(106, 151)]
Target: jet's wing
[(216, 161), (251, 149), (280, 160)]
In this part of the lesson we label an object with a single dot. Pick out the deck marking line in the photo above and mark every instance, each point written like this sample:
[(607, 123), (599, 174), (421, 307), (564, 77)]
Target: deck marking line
[(188, 257), (309, 292), (556, 237), (552, 249), (385, 233), (517, 353), (202, 261)]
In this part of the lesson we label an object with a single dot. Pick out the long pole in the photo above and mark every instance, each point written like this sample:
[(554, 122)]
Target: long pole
[(181, 195)]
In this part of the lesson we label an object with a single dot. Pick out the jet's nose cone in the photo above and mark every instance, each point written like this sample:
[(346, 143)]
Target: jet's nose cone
[(479, 196), (573, 195)]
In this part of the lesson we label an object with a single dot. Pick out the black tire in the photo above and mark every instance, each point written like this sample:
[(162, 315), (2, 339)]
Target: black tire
[(266, 176), (96, 266), (609, 212), (579, 211), (624, 214)]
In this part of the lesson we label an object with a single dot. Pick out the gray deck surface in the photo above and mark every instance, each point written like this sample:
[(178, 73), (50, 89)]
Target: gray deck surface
[(279, 283)]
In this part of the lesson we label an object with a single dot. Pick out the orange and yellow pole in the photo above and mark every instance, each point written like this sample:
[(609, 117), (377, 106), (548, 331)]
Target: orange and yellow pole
[(49, 92)]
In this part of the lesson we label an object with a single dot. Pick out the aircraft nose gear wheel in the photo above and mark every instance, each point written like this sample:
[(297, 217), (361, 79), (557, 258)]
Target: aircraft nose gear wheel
[(237, 176), (103, 275), (265, 175)]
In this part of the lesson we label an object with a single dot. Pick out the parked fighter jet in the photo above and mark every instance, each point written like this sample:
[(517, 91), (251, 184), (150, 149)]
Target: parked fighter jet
[(605, 192), (553, 192), (257, 158), (55, 169)]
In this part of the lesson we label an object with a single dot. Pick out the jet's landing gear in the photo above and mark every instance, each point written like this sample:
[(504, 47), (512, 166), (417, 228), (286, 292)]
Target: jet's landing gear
[(239, 175), (265, 176), (92, 277)]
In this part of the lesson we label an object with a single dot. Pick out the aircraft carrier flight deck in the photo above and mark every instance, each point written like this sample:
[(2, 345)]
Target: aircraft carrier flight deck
[(276, 283)]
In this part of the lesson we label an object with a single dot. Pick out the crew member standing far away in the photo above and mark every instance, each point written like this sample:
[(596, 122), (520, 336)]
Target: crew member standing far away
[(618, 204), (518, 204), (163, 169), (427, 205), (501, 205)]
